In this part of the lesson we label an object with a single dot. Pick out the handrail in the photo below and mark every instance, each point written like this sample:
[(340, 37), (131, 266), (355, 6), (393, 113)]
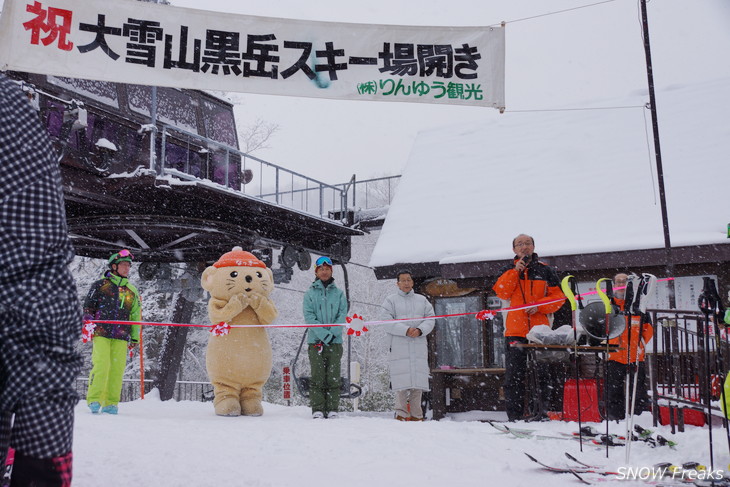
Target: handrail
[(273, 183), (281, 176)]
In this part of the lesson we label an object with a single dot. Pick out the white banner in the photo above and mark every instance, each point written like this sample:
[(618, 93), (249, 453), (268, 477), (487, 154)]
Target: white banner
[(143, 43)]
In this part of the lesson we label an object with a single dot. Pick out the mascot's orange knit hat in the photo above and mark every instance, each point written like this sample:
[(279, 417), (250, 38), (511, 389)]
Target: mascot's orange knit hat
[(239, 258)]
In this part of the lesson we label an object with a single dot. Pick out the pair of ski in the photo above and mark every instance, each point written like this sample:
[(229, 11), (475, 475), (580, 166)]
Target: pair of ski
[(640, 434), (527, 433), (575, 470), (580, 470), (610, 440), (597, 438), (636, 299), (638, 290), (710, 303)]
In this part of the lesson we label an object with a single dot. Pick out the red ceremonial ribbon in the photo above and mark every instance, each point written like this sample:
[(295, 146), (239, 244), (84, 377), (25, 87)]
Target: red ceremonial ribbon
[(87, 331), (222, 328), (358, 328)]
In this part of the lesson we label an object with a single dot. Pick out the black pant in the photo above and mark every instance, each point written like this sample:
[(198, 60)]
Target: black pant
[(616, 389), (514, 378), (551, 378)]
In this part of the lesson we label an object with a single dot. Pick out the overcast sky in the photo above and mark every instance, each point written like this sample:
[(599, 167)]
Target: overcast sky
[(585, 57), (581, 57)]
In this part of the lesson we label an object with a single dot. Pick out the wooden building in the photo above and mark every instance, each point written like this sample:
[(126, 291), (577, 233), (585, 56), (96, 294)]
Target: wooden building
[(584, 185)]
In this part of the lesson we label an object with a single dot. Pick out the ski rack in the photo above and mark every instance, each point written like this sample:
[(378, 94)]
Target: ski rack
[(678, 369)]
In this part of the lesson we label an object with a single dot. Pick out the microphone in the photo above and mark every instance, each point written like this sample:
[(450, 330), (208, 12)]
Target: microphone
[(524, 261)]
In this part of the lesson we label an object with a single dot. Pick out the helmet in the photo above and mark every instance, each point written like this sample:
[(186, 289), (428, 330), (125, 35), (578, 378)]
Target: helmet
[(121, 256), (593, 319)]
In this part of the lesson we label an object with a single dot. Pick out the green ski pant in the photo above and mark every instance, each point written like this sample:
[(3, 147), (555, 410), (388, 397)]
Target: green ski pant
[(108, 360), (324, 388)]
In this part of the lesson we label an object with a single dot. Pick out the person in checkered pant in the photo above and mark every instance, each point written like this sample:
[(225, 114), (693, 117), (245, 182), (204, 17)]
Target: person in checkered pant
[(40, 316)]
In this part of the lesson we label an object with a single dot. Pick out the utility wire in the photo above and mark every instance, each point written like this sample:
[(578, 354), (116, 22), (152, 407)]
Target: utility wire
[(554, 13), (647, 123), (575, 109)]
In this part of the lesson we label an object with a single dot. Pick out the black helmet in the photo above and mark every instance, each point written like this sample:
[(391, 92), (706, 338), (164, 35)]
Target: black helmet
[(593, 319)]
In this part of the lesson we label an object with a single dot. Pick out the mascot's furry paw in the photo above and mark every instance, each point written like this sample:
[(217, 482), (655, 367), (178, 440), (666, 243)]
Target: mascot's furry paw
[(228, 407), (251, 407)]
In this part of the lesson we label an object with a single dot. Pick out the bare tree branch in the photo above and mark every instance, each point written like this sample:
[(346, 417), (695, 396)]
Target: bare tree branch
[(257, 135)]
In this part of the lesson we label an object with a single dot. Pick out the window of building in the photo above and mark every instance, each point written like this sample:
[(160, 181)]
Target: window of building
[(101, 91), (174, 107), (219, 123), (459, 339)]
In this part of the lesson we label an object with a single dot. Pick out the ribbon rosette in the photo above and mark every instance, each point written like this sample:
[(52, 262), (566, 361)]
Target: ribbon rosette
[(486, 314), (87, 331), (356, 325), (220, 329)]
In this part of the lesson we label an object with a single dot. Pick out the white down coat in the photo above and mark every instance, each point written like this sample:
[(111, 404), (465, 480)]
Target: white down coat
[(408, 359)]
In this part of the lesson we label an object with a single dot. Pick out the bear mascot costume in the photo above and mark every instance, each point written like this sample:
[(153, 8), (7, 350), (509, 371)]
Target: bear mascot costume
[(239, 363)]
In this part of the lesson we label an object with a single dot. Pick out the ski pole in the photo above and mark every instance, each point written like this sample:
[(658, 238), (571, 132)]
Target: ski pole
[(630, 425), (723, 377), (704, 305), (638, 307), (634, 306), (717, 310), (606, 298), (632, 285), (570, 289), (628, 310)]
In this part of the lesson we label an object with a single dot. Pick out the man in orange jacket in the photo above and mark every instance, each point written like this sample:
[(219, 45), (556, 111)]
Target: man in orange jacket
[(526, 281), (641, 332)]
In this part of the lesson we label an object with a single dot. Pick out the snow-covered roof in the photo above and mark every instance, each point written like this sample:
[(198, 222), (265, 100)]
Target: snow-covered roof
[(578, 181)]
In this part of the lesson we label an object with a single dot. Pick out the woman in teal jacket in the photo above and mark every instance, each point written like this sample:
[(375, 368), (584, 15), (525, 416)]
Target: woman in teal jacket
[(324, 303), (111, 298)]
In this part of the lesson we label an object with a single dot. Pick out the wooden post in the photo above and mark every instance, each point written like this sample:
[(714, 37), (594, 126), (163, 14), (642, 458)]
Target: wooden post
[(141, 363)]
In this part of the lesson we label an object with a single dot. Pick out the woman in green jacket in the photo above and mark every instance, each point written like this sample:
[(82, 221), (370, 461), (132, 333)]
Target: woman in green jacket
[(111, 298), (324, 303)]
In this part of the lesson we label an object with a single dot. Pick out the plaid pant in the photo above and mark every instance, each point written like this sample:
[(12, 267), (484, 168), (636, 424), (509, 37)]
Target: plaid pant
[(37, 374)]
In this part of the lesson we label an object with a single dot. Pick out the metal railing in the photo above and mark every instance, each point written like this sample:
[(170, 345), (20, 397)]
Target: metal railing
[(201, 158), (688, 356), (256, 177), (270, 182), (184, 390), (371, 193)]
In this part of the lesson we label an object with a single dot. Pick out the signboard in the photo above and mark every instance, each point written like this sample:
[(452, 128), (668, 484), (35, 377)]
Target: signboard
[(686, 292), (143, 43), (286, 384)]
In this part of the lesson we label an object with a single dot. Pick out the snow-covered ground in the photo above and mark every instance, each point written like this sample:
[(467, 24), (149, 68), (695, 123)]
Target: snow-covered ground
[(154, 443)]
